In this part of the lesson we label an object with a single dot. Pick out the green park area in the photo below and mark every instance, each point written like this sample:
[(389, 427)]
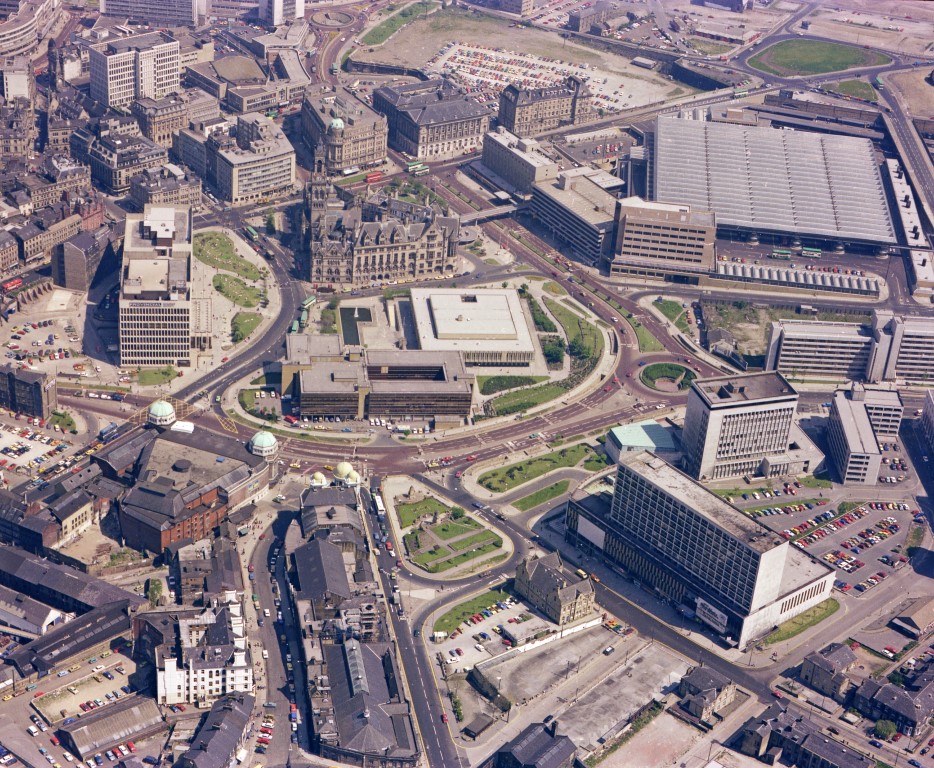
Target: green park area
[(409, 513), (811, 617), (381, 33), (218, 251), (667, 377), (460, 613), (490, 385), (63, 420), (152, 377), (675, 313), (443, 543), (647, 342), (542, 495), (814, 57), (506, 478), (578, 330), (855, 89), (237, 291), (243, 324)]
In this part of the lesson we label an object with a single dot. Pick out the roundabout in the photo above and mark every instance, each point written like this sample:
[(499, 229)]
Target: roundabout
[(667, 377)]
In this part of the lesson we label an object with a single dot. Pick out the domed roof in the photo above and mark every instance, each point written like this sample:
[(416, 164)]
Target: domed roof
[(161, 410), (353, 476), (318, 479), (264, 439), (343, 469), (337, 124)]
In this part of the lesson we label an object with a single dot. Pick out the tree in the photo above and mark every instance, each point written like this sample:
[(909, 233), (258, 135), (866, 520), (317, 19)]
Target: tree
[(270, 223), (155, 592), (457, 513), (505, 284), (884, 729), (577, 348)]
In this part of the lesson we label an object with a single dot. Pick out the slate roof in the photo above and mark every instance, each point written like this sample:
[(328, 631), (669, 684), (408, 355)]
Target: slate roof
[(113, 724), (219, 736), (432, 102), (834, 658), (537, 747), (321, 572)]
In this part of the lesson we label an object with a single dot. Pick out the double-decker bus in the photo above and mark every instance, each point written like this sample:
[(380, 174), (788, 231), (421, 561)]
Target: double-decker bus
[(251, 233), (781, 255), (811, 253), (309, 302), (12, 285), (423, 171), (374, 176), (414, 165)]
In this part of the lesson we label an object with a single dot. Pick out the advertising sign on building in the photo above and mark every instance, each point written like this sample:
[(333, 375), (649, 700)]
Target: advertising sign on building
[(711, 616)]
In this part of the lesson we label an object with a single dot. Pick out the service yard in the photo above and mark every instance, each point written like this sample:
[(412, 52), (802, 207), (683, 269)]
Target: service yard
[(95, 681)]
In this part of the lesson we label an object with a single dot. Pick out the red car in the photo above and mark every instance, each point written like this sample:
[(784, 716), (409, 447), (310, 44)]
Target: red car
[(472, 457), (224, 359), (444, 717), (777, 694), (37, 694), (262, 740), (459, 473), (54, 740), (267, 731), (131, 746), (389, 546)]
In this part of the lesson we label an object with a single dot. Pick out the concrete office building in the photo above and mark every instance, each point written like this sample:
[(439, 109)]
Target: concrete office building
[(31, 393), (528, 111), (165, 300), (518, 7), (17, 80), (165, 13), (577, 208), (165, 186), (432, 120), (927, 421), (822, 187), (488, 327), (519, 163), (258, 164), (380, 239), (853, 445), (695, 549), (903, 347), (279, 12), (661, 239), (740, 425), (343, 132), (116, 158), (807, 349), (883, 406), (159, 119), (134, 67)]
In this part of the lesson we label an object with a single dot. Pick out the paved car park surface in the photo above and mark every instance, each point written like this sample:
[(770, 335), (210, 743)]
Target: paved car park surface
[(482, 632)]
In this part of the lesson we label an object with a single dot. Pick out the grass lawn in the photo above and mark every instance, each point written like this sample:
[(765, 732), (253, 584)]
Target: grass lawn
[(595, 463), (542, 495), (429, 556), (234, 289), (857, 89), (554, 289), (243, 324), (490, 385), (576, 327), (464, 557), (63, 420), (710, 47), (647, 342), (460, 613), (411, 513), (523, 399), (451, 528), (150, 377), (915, 538), (218, 251), (814, 57), (247, 398), (507, 478), (672, 371), (472, 541), (811, 481), (806, 620), (670, 309)]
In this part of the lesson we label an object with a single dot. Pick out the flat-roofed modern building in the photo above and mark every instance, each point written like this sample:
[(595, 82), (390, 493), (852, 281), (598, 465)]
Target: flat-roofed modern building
[(341, 130), (578, 209), (661, 239), (695, 549), (519, 163), (852, 441), (259, 163), (927, 421), (165, 302), (883, 406), (487, 326), (735, 425), (170, 13), (808, 348), (786, 183), (903, 347), (134, 67)]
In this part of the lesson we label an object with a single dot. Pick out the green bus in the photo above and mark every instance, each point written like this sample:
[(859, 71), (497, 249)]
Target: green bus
[(309, 302), (781, 255), (423, 171), (415, 164), (294, 327), (303, 320), (811, 253), (251, 233)]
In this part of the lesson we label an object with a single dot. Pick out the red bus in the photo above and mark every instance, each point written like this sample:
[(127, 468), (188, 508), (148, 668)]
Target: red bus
[(372, 178), (11, 285)]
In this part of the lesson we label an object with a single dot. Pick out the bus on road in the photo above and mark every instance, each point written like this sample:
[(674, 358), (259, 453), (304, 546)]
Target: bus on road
[(811, 253), (251, 233), (423, 171), (374, 176), (781, 255)]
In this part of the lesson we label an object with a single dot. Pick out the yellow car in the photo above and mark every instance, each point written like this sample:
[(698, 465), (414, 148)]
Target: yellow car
[(329, 468), (295, 465), (8, 697)]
